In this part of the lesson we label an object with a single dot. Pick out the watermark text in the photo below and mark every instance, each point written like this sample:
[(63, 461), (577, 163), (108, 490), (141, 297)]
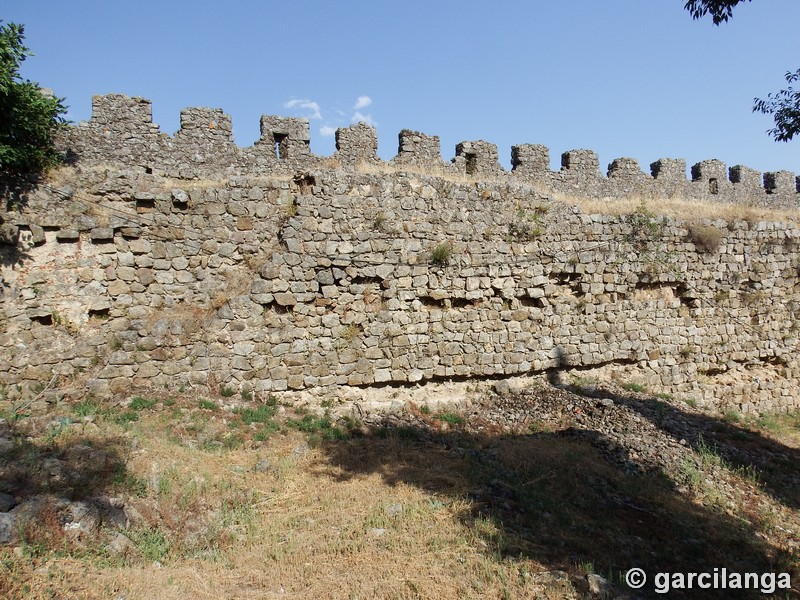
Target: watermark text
[(718, 579)]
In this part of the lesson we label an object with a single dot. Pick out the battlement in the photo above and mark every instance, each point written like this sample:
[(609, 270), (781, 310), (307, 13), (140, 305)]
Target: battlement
[(121, 130), (419, 149), (186, 260), (120, 113), (357, 143), (290, 137)]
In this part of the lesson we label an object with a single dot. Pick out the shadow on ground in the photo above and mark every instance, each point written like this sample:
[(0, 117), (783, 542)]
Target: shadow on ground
[(556, 498), (75, 469), (775, 465)]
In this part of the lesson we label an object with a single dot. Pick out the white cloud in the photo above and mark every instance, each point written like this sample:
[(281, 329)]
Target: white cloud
[(362, 118), (327, 130), (305, 105), (362, 102)]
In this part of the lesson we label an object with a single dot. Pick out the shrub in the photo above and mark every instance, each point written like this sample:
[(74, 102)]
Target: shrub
[(705, 237), (645, 226), (151, 543), (87, 408), (527, 225), (349, 332), (318, 428), (379, 222), (262, 414)]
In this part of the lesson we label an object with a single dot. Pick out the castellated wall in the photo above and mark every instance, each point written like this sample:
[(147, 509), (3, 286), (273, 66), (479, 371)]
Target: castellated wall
[(186, 261)]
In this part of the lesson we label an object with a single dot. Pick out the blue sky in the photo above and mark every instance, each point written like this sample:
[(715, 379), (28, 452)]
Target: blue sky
[(622, 77)]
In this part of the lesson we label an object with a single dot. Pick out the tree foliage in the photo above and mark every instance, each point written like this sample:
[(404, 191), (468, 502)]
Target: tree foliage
[(720, 10), (28, 115), (784, 106)]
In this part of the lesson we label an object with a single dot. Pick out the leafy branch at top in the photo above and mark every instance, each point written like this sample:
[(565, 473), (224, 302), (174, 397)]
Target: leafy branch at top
[(30, 116), (785, 108), (720, 10)]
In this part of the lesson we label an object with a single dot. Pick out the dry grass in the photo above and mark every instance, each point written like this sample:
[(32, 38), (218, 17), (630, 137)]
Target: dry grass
[(446, 171), (238, 281), (423, 511), (682, 209), (305, 527), (705, 237), (674, 207), (67, 175)]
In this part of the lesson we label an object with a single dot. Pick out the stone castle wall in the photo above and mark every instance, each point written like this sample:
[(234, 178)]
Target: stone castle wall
[(187, 261), (122, 131)]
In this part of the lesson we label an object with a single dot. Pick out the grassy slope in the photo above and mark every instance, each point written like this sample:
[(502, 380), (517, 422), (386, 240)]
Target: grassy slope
[(263, 503)]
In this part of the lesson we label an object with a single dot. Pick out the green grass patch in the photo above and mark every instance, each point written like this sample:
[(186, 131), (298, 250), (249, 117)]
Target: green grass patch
[(126, 417), (125, 481), (318, 428), (266, 431), (222, 441), (770, 422), (138, 403), (151, 543), (87, 408), (261, 414), (634, 387), (449, 417), (207, 404), (780, 423), (731, 415)]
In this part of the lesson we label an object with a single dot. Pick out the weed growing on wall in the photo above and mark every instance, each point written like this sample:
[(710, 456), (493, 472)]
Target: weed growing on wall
[(656, 263), (706, 238), (442, 254), (645, 226), (349, 333), (526, 224), (380, 222)]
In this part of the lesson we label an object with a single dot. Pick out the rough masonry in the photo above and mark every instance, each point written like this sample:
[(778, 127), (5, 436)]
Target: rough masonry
[(182, 261)]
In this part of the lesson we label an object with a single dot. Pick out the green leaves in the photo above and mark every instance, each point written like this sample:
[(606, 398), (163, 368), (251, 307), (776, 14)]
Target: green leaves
[(784, 106), (28, 115), (12, 53), (720, 10)]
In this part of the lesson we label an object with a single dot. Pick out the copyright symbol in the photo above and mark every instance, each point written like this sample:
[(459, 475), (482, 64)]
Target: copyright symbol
[(635, 578)]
